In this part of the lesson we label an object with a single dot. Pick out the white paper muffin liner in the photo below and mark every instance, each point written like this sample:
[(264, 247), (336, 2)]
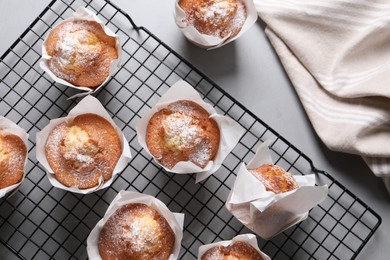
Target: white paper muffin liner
[(230, 130), (207, 41), (175, 220), (9, 127), (87, 105), (248, 238), (82, 14), (264, 212)]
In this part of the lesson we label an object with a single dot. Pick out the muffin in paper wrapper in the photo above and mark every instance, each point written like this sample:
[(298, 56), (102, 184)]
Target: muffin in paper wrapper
[(207, 41), (175, 220), (9, 127), (264, 212), (82, 14), (87, 105), (230, 130), (247, 238)]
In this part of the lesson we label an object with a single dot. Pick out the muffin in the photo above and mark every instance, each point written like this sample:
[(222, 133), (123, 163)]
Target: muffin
[(275, 179), (12, 159), (81, 52), (237, 250), (82, 151), (182, 131), (218, 18), (136, 231)]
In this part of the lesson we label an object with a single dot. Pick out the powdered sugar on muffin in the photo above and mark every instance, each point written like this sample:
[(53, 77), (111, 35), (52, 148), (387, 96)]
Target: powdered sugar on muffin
[(183, 131), (81, 52), (12, 159), (83, 151), (219, 18), (136, 231)]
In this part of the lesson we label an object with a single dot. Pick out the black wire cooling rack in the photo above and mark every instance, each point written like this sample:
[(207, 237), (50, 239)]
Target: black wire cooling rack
[(42, 222)]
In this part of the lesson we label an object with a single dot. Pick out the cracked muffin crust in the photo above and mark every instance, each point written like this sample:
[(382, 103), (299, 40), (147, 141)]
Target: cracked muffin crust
[(275, 179), (81, 52), (136, 231), (12, 158), (218, 18), (237, 251), (82, 151), (183, 131)]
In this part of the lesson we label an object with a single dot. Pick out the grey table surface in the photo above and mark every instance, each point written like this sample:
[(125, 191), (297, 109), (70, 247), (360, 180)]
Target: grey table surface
[(249, 70)]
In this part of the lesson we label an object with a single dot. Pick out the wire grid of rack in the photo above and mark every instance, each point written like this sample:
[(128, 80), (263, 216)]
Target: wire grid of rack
[(42, 222)]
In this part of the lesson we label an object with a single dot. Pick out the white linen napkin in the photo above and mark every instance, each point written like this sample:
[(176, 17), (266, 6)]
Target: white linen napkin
[(337, 55)]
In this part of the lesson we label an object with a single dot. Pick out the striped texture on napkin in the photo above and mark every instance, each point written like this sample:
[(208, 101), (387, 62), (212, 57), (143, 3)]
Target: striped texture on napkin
[(337, 55)]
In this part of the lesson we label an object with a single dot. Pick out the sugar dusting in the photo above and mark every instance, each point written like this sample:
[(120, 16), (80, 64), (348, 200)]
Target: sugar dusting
[(11, 160), (78, 147), (79, 152), (202, 154), (16, 158), (75, 50), (59, 73), (136, 233), (215, 255), (266, 182), (182, 132), (237, 250), (218, 18), (4, 156), (83, 149), (142, 232), (239, 18)]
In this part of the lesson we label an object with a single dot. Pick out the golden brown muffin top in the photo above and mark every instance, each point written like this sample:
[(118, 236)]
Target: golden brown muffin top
[(82, 151), (275, 179), (237, 251), (183, 131), (81, 52), (217, 18), (12, 158), (136, 231)]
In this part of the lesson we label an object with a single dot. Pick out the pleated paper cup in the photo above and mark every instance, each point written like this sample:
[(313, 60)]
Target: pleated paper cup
[(83, 14), (87, 105), (175, 220), (9, 127), (264, 212)]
